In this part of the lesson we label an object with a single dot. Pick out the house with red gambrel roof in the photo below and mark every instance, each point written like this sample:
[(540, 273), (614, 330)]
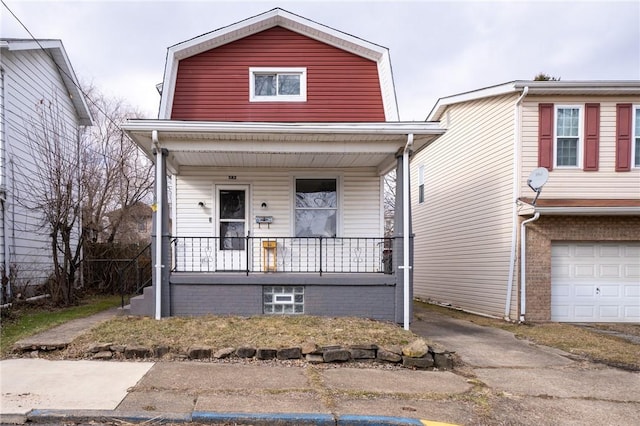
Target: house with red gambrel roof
[(276, 133)]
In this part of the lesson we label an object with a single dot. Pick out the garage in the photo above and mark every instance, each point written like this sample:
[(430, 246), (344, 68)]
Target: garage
[(595, 282)]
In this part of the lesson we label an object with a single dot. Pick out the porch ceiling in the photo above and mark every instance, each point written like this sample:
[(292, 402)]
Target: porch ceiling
[(316, 145)]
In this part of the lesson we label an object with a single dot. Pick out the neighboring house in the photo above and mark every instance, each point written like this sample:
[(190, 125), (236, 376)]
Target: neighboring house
[(277, 132), (132, 225), (39, 95), (580, 260)]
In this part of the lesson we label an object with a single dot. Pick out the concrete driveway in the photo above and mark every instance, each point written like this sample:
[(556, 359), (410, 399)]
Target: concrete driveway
[(520, 383)]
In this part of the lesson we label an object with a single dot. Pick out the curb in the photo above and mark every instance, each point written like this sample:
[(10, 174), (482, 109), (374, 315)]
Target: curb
[(284, 419)]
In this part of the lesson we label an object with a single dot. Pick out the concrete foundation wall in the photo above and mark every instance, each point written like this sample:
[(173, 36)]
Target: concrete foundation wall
[(367, 296)]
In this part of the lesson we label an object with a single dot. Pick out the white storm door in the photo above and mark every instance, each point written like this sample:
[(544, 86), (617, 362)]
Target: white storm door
[(232, 227)]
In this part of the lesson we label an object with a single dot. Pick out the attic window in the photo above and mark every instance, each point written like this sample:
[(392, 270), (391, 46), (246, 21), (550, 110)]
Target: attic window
[(277, 84)]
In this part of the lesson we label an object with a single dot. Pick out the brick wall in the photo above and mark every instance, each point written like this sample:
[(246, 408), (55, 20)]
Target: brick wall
[(540, 235)]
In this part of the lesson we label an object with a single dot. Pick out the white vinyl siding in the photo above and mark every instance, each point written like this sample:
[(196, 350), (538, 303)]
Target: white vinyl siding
[(574, 182), (463, 234), (30, 79), (359, 214)]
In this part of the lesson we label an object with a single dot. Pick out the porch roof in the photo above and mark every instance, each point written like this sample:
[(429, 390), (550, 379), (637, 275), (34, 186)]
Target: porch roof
[(317, 145)]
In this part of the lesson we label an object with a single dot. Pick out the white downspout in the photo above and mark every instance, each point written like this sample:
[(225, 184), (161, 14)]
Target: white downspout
[(405, 227), (158, 259), (523, 265), (514, 210)]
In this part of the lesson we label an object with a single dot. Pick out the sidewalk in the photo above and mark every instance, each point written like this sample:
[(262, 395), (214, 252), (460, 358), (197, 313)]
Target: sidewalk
[(48, 391)]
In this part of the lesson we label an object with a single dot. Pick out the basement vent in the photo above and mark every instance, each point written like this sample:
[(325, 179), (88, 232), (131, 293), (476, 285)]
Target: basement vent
[(283, 300)]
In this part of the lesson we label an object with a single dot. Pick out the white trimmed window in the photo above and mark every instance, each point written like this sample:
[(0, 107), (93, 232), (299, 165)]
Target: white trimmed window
[(635, 144), (568, 136), (277, 84), (316, 207), (421, 184)]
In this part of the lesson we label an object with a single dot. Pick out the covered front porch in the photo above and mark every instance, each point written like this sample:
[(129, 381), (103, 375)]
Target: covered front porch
[(283, 212)]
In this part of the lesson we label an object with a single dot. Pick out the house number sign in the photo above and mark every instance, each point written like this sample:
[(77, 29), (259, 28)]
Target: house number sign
[(231, 177)]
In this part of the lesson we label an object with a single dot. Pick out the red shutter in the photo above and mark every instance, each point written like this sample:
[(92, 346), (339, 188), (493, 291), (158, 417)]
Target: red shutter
[(623, 137), (545, 136), (591, 136)]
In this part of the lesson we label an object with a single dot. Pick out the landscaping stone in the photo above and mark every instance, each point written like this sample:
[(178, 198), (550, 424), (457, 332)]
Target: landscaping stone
[(363, 351), (329, 348), (100, 347), (289, 353), (309, 348), (117, 348), (199, 352), (245, 352), (333, 355), (443, 360), (137, 351), (423, 362), (224, 353), (388, 356), (265, 353), (162, 350), (314, 358), (396, 349), (416, 349), (103, 355)]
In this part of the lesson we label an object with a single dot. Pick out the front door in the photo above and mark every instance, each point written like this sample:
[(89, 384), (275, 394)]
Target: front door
[(232, 227)]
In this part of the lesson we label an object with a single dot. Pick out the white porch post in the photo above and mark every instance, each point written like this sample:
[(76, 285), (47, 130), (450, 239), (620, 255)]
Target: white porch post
[(157, 277), (406, 265)]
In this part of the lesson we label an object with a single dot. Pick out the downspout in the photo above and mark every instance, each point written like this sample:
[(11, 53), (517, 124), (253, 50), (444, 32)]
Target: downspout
[(158, 260), (523, 265), (405, 228), (514, 209), (174, 210)]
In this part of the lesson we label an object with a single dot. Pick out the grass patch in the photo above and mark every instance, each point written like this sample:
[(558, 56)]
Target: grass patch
[(265, 331), (25, 320), (576, 340)]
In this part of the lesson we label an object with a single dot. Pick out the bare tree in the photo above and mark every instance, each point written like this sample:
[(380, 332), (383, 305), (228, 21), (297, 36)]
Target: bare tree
[(55, 192), (118, 176), (389, 201), (545, 77)]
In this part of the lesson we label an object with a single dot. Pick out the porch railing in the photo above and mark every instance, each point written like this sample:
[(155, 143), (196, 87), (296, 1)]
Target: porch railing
[(282, 254)]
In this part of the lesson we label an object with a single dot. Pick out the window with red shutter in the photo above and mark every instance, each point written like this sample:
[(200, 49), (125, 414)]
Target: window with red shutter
[(623, 137), (591, 137)]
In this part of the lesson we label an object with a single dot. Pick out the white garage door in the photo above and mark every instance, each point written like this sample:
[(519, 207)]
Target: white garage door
[(595, 282)]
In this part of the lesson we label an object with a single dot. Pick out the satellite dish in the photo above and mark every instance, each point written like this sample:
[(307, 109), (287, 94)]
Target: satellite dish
[(537, 178)]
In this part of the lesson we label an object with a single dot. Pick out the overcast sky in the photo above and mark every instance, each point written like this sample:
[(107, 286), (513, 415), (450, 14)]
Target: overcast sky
[(437, 48)]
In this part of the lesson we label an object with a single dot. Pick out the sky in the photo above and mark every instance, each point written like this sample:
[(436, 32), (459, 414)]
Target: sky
[(437, 48)]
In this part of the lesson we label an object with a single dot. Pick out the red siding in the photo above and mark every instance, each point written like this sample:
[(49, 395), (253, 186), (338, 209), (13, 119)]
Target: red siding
[(623, 137), (545, 136), (214, 85), (591, 137)]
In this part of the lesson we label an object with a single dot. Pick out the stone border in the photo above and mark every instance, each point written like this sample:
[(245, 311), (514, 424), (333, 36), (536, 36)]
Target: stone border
[(417, 355)]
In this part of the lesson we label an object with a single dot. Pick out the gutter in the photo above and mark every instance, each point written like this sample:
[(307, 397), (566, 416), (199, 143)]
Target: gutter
[(523, 265), (386, 128), (514, 209), (405, 228), (159, 213)]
